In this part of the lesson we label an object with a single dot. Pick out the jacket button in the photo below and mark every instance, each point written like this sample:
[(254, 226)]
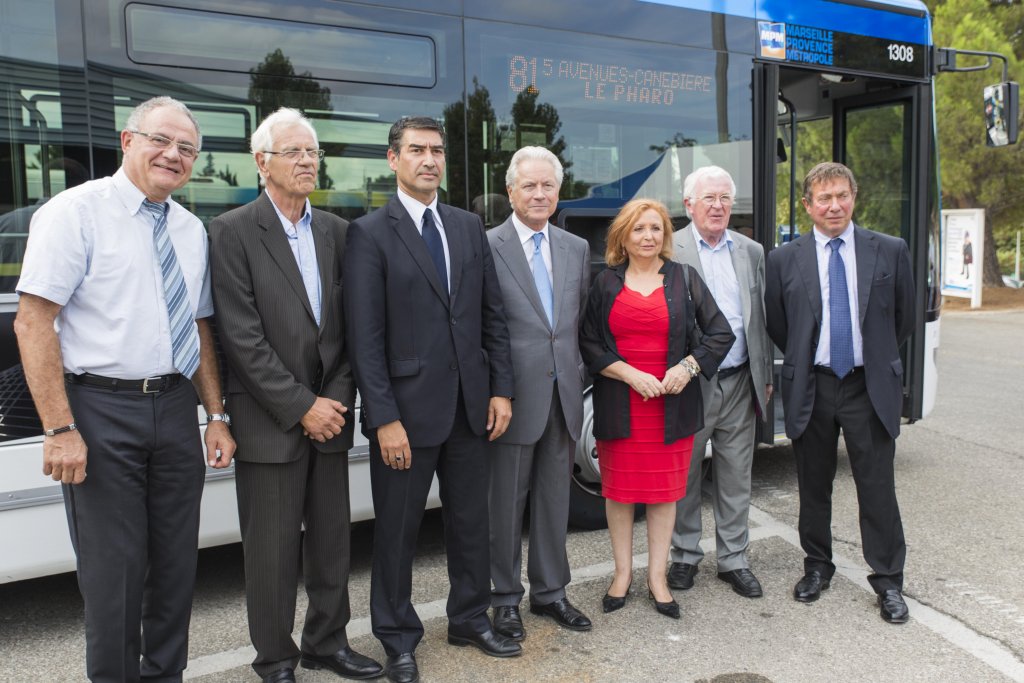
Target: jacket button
[(453, 366), (551, 373)]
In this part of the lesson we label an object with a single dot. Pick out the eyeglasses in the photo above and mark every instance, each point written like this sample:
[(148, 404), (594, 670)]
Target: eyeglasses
[(711, 199), (159, 141), (296, 154)]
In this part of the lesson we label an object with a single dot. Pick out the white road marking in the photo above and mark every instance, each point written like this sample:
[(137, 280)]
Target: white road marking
[(956, 633)]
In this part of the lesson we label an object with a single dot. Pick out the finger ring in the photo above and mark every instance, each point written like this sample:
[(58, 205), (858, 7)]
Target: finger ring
[(399, 457)]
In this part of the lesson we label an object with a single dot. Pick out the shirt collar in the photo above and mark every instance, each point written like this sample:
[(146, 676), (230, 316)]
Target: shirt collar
[(823, 239), (130, 195), (304, 220), (525, 232), (416, 208), (724, 243)]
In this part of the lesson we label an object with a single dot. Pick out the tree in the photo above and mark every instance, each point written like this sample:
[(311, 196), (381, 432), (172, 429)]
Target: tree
[(974, 175), (274, 84)]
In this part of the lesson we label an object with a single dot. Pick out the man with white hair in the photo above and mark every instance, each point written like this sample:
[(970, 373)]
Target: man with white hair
[(277, 283), (733, 268), (544, 273)]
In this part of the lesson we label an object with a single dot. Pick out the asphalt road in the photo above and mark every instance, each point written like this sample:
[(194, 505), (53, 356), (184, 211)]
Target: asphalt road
[(959, 477)]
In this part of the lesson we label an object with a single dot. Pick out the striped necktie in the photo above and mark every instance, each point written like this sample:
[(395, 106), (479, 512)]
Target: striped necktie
[(184, 336)]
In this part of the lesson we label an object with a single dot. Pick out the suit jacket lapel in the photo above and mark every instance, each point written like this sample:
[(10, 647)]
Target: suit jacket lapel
[(324, 245), (276, 242), (559, 265), (456, 247), (401, 223), (510, 251), (807, 264), (741, 264), (866, 247), (685, 243)]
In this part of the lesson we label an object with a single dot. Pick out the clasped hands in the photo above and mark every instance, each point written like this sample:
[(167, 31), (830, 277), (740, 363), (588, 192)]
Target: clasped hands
[(324, 420), (648, 386)]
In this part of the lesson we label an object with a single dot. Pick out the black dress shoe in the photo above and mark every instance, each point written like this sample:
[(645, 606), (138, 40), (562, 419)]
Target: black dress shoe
[(284, 675), (610, 603), (508, 622), (564, 613), (808, 589), (680, 575), (402, 668), (669, 609), (743, 582), (346, 662), (489, 642), (893, 607)]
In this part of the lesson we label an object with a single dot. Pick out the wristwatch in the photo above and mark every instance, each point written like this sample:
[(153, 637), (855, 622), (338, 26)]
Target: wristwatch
[(219, 417)]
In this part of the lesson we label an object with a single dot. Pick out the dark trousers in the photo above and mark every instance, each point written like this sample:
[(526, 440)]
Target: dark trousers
[(275, 500), (399, 497), (134, 525), (845, 404)]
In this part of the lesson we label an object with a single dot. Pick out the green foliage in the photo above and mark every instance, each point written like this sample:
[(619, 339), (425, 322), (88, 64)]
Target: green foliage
[(974, 175)]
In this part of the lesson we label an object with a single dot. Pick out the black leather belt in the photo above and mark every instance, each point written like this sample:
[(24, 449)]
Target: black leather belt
[(150, 385), (729, 372), (826, 370)]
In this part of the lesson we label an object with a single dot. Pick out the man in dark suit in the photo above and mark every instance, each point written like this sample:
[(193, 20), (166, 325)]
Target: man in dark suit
[(840, 302), (430, 351), (277, 266), (545, 276)]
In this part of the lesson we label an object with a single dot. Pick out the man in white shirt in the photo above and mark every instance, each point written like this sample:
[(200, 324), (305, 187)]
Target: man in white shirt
[(121, 269), (733, 268)]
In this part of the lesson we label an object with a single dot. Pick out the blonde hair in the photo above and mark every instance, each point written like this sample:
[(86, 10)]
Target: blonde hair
[(629, 214)]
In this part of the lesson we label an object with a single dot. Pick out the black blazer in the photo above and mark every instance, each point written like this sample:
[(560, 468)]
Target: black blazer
[(885, 301), (415, 348), (278, 359), (696, 326)]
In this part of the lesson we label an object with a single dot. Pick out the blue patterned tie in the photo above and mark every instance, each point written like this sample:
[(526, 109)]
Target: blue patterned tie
[(840, 325), (540, 278), (432, 237), (184, 337)]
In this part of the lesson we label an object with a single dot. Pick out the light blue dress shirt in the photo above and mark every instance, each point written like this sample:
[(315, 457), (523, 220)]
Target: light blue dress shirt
[(720, 277), (300, 239), (824, 353)]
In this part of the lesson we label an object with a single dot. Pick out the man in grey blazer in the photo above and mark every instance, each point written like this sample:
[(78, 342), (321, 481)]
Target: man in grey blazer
[(276, 266), (840, 302), (733, 268), (544, 273)]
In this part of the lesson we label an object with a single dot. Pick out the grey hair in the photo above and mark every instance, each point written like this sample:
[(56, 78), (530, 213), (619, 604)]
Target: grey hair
[(263, 137), (532, 154), (704, 173), (140, 112)]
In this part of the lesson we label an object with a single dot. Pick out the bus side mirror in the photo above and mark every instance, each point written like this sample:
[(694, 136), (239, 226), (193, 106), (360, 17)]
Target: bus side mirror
[(1001, 112)]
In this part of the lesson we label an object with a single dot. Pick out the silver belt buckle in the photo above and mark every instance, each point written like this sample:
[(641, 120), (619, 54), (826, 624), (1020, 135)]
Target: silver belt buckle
[(145, 385)]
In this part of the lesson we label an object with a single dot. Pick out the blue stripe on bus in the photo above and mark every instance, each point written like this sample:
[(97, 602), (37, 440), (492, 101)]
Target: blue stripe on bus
[(835, 16)]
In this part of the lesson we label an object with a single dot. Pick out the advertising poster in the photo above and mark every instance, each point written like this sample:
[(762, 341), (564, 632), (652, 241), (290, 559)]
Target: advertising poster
[(963, 234)]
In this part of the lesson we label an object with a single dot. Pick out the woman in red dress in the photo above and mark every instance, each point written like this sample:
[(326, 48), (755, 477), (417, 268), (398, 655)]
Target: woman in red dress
[(650, 326)]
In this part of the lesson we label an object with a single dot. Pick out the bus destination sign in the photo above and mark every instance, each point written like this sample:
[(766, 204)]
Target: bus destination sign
[(814, 46)]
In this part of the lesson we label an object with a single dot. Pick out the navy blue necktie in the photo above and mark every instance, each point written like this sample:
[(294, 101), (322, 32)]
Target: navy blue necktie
[(840, 326), (432, 237)]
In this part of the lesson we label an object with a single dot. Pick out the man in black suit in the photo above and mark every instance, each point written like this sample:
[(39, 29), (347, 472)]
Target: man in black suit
[(430, 351), (277, 284), (840, 302)]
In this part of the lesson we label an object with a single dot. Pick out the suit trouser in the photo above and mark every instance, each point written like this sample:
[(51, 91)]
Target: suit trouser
[(845, 404), (275, 500), (134, 525), (399, 498), (542, 472), (729, 423)]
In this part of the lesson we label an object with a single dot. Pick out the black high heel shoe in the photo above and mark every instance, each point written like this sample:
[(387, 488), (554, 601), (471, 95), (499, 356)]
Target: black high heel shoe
[(669, 609), (610, 603)]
